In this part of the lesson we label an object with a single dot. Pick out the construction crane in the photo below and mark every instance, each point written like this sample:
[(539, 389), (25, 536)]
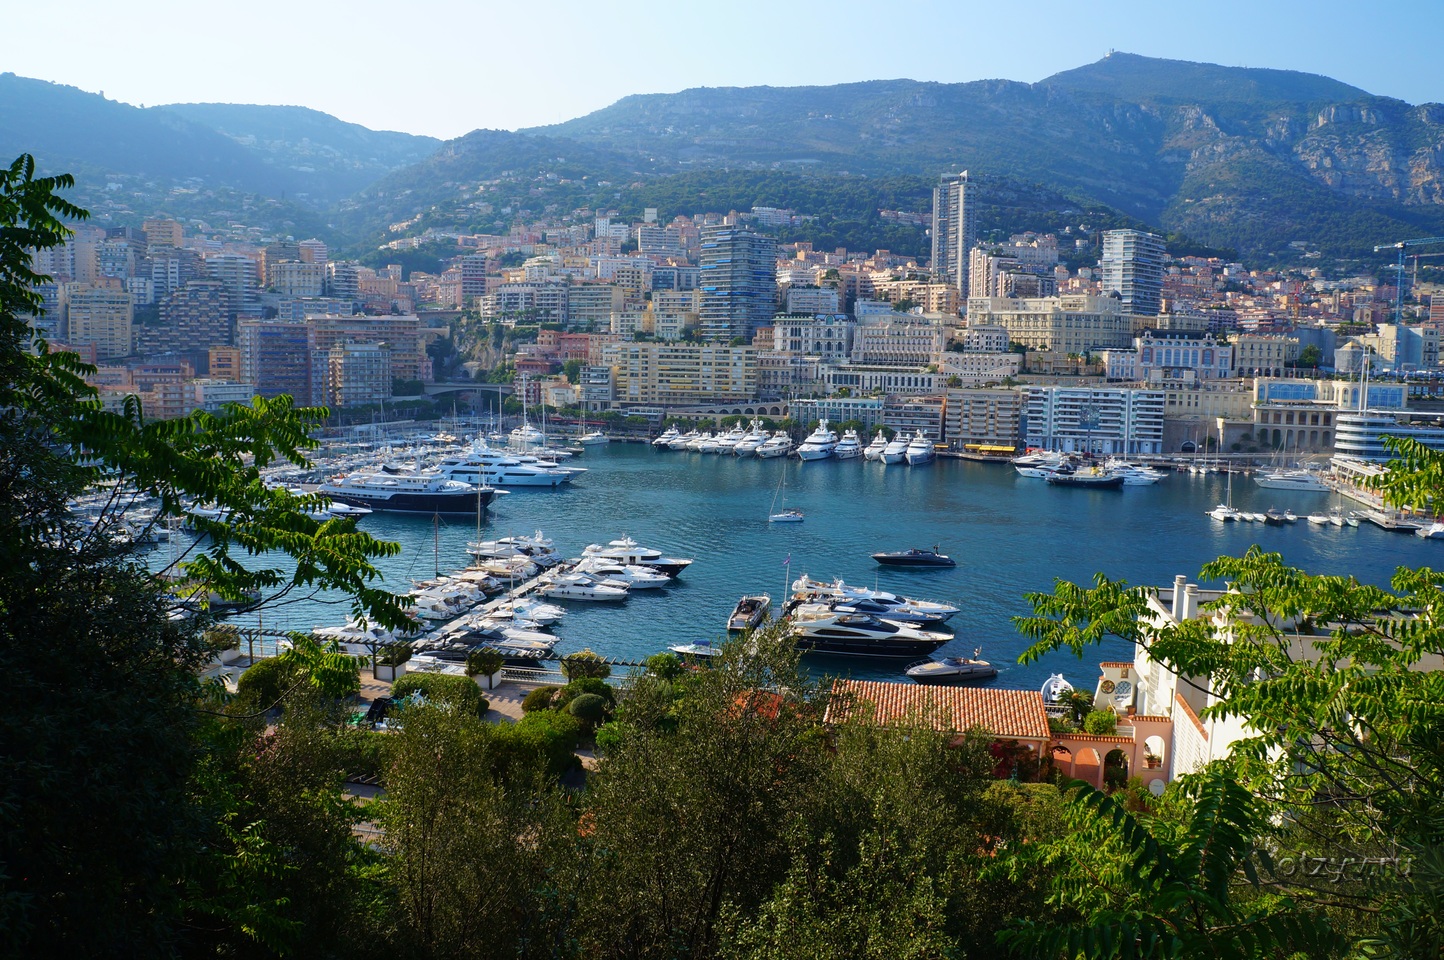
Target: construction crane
[(1401, 246)]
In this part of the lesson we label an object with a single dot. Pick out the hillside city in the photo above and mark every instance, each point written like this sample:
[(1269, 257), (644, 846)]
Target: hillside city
[(286, 680), (985, 346)]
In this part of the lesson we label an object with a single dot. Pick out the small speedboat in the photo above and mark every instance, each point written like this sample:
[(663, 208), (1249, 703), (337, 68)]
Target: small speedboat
[(914, 557), (701, 650), (749, 612), (942, 670)]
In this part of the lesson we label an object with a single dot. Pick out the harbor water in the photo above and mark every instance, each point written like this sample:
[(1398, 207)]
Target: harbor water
[(1009, 535)]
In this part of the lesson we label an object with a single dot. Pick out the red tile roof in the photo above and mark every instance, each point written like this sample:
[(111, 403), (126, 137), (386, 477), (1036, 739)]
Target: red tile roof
[(1012, 714)]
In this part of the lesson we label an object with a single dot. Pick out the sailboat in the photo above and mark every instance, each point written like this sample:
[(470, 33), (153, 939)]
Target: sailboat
[(786, 514), (1225, 511)]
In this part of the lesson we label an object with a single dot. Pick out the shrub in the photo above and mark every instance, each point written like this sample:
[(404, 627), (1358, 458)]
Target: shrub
[(460, 692), (590, 709), (583, 685), (665, 666), (547, 735), (262, 684), (611, 735), (483, 662), (363, 753), (539, 699), (1101, 723), (584, 664)]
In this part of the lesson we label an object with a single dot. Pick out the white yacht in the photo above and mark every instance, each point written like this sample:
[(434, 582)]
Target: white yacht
[(499, 468), (695, 444), (951, 670), (753, 439), (819, 445), (1302, 480), (1134, 474), (873, 451), (628, 551), (579, 586), (593, 439), (920, 450), (860, 635), (526, 608), (849, 447), (1433, 531), (778, 445), (896, 450), (1039, 465), (536, 548), (634, 576), (727, 442), (806, 588), (681, 441), (666, 437)]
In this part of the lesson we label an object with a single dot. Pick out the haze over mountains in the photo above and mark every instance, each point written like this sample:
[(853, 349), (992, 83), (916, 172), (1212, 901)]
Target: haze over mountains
[(1232, 157)]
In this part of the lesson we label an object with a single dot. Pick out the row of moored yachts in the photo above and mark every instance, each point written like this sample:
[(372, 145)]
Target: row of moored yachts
[(822, 444), (454, 615), (1066, 470), (839, 619)]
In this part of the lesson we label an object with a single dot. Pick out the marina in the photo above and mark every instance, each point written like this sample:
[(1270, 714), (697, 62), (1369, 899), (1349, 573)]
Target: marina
[(1008, 534)]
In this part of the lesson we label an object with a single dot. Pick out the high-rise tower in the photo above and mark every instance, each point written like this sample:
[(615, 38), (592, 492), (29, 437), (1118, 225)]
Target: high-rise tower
[(738, 278), (955, 230), (1132, 267)]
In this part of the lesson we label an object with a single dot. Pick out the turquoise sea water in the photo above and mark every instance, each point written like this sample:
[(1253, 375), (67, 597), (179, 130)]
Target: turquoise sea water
[(1010, 535)]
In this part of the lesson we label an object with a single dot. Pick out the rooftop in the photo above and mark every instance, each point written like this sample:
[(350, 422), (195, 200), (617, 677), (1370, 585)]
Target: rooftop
[(1013, 714)]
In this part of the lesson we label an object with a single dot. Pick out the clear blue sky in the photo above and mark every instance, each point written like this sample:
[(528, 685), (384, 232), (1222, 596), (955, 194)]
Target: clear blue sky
[(444, 67)]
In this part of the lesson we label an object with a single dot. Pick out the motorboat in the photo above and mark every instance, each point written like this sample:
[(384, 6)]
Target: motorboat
[(1134, 474), (1055, 688), (681, 441), (805, 588), (727, 442), (861, 635), (701, 650), (627, 550), (593, 439), (1302, 480), (1434, 531), (665, 438), (696, 443), (920, 450), (902, 612), (634, 576), (711, 443), (580, 586), (527, 608), (1319, 518), (750, 611), (753, 439), (537, 548), (778, 445), (819, 445), (1040, 464), (873, 451), (408, 493), (944, 670), (1094, 477), (1274, 518), (914, 557), (896, 450), (849, 447)]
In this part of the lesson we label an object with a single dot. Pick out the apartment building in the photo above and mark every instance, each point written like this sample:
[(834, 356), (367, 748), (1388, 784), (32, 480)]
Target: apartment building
[(682, 374), (102, 318), (357, 374), (1101, 421), (1073, 323), (987, 420)]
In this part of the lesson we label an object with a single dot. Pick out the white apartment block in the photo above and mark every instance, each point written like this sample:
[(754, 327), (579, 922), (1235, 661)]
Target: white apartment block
[(1102, 421)]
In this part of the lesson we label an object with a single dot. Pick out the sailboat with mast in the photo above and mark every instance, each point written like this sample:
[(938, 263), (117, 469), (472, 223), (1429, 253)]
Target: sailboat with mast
[(786, 514), (1225, 511)]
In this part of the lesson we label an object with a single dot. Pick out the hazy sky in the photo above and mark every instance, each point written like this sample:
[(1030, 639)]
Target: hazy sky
[(444, 67)]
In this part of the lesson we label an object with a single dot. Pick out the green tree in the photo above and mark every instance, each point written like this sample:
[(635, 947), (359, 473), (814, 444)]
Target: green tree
[(99, 739), (572, 370)]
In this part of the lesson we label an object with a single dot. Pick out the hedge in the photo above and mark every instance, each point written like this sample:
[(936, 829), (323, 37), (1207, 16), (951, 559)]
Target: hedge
[(444, 688), (263, 683)]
